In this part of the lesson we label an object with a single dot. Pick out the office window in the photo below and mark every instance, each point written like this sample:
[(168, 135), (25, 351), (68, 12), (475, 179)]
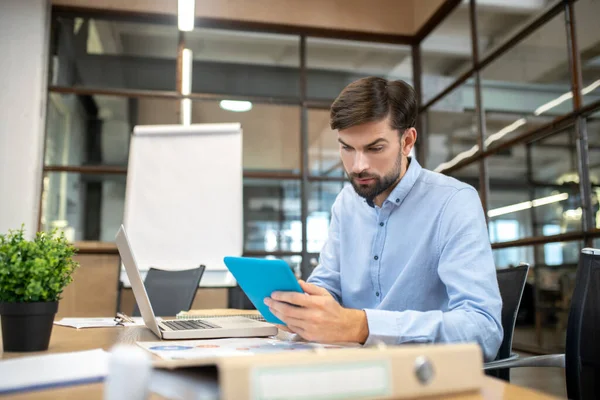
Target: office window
[(468, 174), (96, 129), (272, 215), (497, 21), (151, 111), (70, 119), (557, 173), (115, 54), (547, 260), (332, 64), (271, 133), (313, 261), (323, 146), (321, 198), (92, 130), (451, 127), (85, 206), (593, 129), (446, 53), (547, 295), (511, 256), (587, 41), (503, 126), (503, 230), (529, 85), (238, 63), (545, 200)]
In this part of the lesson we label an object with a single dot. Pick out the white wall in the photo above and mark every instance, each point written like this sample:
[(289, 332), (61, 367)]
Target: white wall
[(24, 29)]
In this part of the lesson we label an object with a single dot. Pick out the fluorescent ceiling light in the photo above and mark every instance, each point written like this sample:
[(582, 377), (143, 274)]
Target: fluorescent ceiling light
[(527, 205), (561, 99), (550, 199), (505, 131), (459, 157), (236, 105), (590, 88), (186, 72), (553, 103), (186, 111), (186, 86), (186, 14)]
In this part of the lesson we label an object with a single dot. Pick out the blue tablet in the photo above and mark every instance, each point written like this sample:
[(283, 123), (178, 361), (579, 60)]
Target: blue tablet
[(259, 277)]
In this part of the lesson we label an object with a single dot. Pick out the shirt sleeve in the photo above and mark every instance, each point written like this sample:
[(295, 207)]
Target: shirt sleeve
[(327, 273), (466, 267)]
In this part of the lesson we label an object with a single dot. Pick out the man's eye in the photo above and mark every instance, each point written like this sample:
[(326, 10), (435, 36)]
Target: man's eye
[(346, 148), (376, 149)]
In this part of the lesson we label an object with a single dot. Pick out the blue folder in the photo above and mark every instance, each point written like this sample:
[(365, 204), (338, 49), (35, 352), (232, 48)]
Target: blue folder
[(259, 277)]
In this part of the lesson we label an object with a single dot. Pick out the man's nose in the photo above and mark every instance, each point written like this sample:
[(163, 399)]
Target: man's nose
[(360, 163)]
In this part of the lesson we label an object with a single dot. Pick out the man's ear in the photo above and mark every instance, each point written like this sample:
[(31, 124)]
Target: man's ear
[(409, 138)]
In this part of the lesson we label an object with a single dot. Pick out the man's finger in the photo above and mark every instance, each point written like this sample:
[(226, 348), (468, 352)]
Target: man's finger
[(296, 329), (313, 290), (287, 310), (298, 299), (284, 328), (291, 322)]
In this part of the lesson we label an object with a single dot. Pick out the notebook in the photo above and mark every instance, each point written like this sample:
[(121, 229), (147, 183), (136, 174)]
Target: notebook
[(194, 314), (52, 370)]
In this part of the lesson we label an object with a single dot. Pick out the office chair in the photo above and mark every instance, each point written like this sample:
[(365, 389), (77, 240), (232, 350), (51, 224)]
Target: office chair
[(511, 282), (581, 359), (171, 291)]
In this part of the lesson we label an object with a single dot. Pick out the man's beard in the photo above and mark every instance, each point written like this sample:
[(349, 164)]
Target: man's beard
[(379, 184)]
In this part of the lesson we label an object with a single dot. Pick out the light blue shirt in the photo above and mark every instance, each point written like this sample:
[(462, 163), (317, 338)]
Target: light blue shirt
[(420, 266)]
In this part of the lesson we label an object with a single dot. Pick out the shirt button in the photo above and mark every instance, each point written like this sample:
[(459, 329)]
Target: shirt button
[(397, 200), (377, 294), (381, 224), (376, 258)]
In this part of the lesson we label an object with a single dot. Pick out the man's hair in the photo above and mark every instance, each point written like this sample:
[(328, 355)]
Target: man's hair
[(372, 99)]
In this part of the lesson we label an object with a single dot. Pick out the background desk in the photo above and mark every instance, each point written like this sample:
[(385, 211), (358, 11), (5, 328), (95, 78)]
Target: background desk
[(66, 339)]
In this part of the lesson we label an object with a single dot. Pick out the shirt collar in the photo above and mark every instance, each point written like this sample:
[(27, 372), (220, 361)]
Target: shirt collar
[(405, 185)]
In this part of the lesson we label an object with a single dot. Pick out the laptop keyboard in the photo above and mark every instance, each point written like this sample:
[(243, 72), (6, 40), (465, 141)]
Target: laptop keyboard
[(188, 324)]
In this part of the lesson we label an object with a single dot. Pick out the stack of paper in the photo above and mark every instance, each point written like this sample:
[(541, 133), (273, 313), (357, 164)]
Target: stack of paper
[(95, 322), (198, 349), (41, 372)]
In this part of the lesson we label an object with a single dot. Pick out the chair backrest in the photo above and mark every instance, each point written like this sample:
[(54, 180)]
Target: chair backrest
[(511, 282), (171, 291), (582, 350)]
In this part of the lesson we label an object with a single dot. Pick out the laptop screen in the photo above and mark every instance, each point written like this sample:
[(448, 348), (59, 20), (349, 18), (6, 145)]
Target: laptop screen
[(139, 290)]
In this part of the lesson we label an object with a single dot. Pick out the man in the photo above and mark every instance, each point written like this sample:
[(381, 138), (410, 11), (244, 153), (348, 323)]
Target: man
[(408, 257)]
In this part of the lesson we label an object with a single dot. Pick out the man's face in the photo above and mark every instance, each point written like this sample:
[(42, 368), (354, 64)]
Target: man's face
[(372, 155)]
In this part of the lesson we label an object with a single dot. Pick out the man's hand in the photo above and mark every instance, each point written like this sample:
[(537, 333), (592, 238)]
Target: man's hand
[(316, 316)]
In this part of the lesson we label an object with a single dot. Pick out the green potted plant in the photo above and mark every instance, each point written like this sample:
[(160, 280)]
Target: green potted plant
[(33, 274)]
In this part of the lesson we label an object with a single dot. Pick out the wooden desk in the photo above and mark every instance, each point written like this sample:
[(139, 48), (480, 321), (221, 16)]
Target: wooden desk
[(66, 339)]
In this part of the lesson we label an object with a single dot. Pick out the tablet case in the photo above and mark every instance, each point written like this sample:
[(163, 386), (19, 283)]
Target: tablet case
[(259, 277)]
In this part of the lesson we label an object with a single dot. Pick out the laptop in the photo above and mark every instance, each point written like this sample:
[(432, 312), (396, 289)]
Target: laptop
[(202, 328)]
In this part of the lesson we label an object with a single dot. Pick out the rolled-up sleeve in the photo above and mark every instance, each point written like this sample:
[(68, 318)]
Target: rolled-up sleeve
[(466, 268)]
